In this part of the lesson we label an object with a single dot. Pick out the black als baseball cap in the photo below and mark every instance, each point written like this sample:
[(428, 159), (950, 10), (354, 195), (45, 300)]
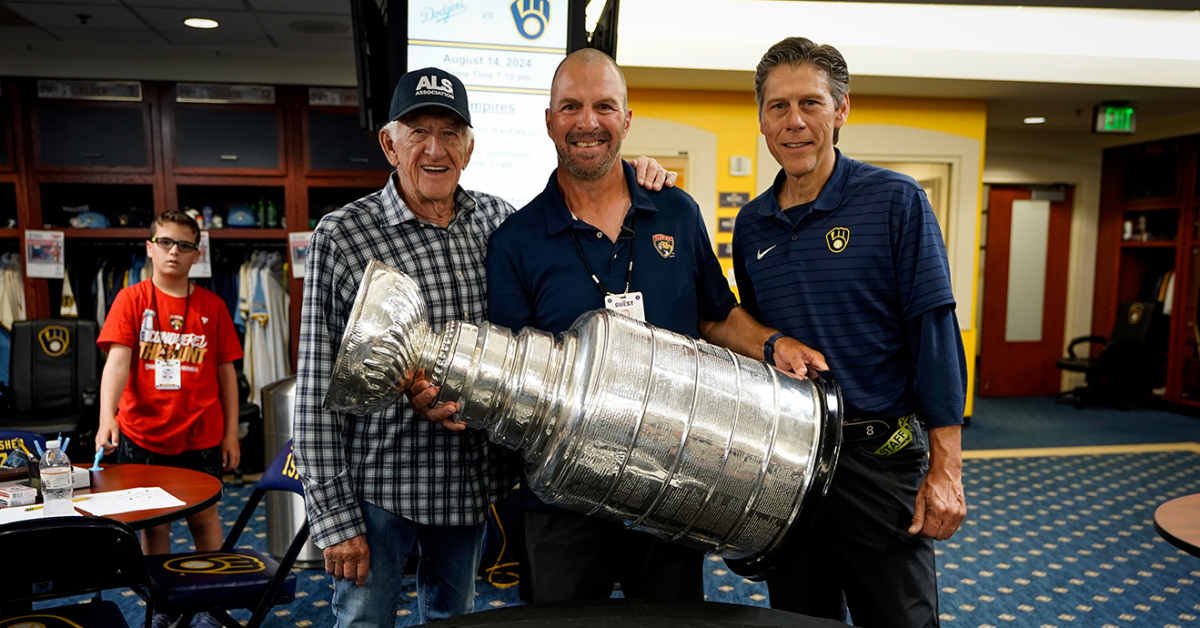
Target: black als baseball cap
[(429, 87)]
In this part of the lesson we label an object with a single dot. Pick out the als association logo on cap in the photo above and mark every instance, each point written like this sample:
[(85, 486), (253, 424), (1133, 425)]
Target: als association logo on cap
[(431, 85)]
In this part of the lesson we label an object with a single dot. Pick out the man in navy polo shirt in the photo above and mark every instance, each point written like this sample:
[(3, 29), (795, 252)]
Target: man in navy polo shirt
[(849, 257), (593, 238)]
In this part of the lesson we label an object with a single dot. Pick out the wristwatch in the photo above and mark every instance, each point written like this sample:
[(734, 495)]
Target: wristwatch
[(769, 348)]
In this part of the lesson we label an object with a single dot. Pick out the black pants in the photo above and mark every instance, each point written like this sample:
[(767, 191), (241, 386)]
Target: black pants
[(858, 552), (574, 557), (203, 460)]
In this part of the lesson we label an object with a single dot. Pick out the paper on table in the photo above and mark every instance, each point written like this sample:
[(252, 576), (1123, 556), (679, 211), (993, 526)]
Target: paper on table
[(13, 514), (127, 500)]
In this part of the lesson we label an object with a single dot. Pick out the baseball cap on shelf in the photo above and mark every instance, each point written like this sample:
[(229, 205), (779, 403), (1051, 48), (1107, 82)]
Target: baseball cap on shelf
[(429, 87)]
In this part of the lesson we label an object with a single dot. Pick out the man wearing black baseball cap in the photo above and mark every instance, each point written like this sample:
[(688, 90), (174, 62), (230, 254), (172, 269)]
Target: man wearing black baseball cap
[(378, 486)]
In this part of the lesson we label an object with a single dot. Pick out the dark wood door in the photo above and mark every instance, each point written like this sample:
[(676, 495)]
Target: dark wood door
[(1018, 356)]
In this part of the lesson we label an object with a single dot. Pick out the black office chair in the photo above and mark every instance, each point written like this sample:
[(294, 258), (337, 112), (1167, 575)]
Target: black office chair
[(214, 582), (1126, 369), (64, 556), (54, 376)]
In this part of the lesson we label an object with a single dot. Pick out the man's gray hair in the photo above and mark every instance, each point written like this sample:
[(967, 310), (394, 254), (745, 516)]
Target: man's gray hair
[(795, 51)]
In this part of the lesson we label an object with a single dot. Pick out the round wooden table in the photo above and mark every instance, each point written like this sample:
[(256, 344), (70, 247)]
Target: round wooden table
[(1178, 521), (197, 490)]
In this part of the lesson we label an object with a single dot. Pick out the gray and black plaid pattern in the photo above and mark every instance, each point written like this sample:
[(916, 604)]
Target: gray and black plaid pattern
[(393, 459)]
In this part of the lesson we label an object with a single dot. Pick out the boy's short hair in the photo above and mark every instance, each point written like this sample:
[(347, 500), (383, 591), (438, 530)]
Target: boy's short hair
[(177, 217)]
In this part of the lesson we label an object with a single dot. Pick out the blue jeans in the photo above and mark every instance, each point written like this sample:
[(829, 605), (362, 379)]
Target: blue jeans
[(448, 561)]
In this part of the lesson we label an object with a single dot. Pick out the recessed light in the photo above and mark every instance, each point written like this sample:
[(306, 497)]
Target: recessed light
[(201, 22), (1035, 120)]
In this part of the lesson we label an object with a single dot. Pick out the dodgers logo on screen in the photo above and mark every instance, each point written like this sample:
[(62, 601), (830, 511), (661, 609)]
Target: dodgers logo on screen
[(531, 17)]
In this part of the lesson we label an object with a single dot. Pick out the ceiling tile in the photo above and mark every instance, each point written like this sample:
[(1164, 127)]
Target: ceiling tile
[(142, 35), (337, 7), (191, 5), (306, 27), (66, 15), (23, 33), (239, 29)]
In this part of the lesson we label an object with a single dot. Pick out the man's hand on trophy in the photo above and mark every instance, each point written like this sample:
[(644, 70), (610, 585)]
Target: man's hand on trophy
[(423, 393), (796, 358)]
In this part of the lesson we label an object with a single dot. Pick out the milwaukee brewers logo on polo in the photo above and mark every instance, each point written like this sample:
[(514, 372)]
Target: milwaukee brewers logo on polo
[(837, 239)]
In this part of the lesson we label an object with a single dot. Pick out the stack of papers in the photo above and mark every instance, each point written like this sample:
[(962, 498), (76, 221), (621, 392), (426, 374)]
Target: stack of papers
[(128, 500), (102, 504)]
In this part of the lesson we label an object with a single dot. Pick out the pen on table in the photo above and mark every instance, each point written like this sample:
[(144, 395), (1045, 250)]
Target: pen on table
[(40, 506), (96, 461)]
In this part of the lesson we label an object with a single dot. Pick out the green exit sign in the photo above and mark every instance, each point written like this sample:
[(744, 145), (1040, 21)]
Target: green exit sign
[(1115, 118)]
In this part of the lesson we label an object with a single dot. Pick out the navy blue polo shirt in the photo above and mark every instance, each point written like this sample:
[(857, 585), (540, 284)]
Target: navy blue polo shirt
[(861, 275), (536, 276)]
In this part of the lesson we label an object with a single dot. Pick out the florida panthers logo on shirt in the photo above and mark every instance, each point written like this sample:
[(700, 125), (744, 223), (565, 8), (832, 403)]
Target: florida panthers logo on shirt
[(837, 239), (664, 244)]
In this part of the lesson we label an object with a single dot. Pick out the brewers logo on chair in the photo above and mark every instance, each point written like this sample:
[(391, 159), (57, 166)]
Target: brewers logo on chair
[(664, 244), (55, 340), (216, 562)]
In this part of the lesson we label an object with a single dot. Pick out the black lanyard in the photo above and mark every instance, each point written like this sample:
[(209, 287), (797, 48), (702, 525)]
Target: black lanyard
[(187, 302), (628, 273)]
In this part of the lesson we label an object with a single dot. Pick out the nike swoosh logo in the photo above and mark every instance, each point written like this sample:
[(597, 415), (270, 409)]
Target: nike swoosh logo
[(763, 252)]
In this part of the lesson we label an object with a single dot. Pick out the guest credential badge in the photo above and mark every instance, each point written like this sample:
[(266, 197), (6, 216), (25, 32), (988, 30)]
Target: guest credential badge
[(630, 304)]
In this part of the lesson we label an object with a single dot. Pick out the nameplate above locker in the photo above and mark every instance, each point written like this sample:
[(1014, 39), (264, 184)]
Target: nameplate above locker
[(125, 91), (225, 94)]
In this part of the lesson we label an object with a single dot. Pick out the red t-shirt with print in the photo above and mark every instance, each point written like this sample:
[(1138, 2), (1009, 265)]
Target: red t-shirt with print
[(198, 331)]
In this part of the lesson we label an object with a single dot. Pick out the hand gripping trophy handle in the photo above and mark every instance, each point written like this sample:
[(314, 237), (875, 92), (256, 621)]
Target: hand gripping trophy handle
[(616, 418)]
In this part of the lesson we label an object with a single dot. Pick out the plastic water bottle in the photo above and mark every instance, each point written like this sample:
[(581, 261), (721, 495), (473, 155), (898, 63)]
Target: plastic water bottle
[(55, 471)]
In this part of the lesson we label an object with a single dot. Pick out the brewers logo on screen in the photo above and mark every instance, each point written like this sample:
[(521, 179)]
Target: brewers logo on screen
[(531, 17)]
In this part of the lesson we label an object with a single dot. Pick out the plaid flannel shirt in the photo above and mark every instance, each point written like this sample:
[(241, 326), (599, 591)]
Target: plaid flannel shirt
[(393, 459)]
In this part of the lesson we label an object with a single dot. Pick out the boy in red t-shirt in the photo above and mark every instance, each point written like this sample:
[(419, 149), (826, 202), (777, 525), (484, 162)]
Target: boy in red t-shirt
[(171, 347)]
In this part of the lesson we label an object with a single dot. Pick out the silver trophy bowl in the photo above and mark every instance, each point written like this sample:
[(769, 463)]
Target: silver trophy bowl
[(615, 418)]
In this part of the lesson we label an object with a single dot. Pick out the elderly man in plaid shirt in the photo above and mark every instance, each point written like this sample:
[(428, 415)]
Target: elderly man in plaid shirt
[(380, 485)]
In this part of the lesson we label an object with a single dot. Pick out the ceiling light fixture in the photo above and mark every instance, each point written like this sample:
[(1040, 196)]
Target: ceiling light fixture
[(201, 22), (1035, 120)]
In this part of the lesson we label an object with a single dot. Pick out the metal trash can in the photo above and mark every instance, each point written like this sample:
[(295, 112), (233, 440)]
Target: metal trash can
[(285, 510)]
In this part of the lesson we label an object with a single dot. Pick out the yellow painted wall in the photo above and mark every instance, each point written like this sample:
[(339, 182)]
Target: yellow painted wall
[(733, 118)]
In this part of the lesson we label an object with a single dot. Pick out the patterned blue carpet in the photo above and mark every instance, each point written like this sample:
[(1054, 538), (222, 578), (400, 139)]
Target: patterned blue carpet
[(1048, 541)]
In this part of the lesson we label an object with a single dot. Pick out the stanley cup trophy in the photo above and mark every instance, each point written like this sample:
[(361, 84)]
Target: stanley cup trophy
[(615, 418)]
